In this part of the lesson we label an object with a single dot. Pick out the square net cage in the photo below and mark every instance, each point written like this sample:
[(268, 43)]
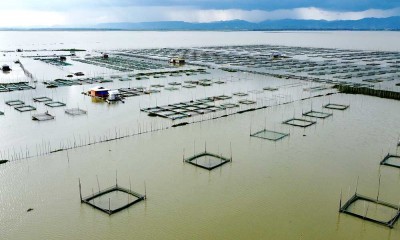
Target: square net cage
[(25, 108), (55, 104), (42, 99), (208, 161), (391, 160), (317, 114), (299, 122), (240, 94), (335, 106), (15, 102), (371, 210), (113, 199), (75, 111), (269, 135), (247, 102)]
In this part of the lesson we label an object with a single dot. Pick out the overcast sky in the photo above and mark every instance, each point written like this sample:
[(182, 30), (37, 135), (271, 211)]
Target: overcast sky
[(26, 13)]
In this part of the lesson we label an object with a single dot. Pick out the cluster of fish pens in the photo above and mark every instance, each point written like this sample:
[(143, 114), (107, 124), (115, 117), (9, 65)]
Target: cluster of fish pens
[(378, 69), (364, 72)]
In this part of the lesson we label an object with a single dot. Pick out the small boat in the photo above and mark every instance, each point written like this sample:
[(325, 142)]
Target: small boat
[(6, 68)]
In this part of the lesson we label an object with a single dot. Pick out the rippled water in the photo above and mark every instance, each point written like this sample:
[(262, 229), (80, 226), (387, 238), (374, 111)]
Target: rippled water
[(288, 189)]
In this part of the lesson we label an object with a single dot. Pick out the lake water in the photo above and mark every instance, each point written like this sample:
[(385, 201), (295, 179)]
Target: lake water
[(288, 189)]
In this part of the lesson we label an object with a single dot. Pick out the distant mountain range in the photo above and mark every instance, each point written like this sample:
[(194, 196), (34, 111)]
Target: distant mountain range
[(391, 23)]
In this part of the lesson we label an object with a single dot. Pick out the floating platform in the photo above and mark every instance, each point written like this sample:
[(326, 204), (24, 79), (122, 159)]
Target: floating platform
[(391, 160), (208, 161), (109, 200), (269, 135), (383, 213), (42, 117), (335, 106), (299, 122), (317, 114)]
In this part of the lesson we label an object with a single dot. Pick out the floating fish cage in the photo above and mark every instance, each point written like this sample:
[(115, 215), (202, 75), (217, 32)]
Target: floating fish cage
[(42, 99), (240, 94), (208, 161), (1, 113), (299, 122), (75, 111), (335, 106), (317, 114), (269, 135), (391, 160), (189, 86), (42, 117), (171, 88), (113, 199), (270, 89), (381, 213), (13, 103), (246, 102), (55, 104), (25, 108)]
